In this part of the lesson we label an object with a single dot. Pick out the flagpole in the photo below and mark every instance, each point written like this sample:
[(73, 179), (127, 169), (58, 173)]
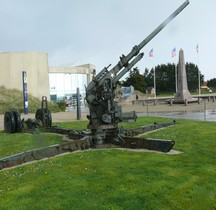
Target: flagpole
[(175, 64), (176, 75), (154, 84), (197, 49), (151, 54), (199, 81)]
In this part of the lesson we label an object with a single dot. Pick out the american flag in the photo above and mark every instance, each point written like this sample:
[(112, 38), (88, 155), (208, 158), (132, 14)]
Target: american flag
[(151, 53), (173, 52)]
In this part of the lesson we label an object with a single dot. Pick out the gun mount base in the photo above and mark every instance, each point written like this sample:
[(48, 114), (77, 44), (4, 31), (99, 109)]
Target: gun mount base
[(80, 139), (81, 143)]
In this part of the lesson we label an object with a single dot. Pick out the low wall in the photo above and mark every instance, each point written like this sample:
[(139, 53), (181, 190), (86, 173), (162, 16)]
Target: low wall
[(41, 153)]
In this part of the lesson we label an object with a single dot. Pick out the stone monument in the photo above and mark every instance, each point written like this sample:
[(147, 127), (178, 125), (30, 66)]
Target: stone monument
[(183, 95)]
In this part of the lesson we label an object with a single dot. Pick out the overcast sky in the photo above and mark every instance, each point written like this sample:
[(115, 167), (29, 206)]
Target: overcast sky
[(75, 32)]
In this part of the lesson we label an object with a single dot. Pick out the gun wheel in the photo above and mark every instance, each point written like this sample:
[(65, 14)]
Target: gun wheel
[(44, 116), (18, 121), (9, 122)]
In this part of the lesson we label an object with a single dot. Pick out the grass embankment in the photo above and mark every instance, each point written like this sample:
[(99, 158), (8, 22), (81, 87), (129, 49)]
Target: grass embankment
[(13, 100), (115, 179)]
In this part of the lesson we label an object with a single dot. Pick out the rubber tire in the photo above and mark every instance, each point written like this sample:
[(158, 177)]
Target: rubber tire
[(49, 118), (18, 121), (9, 122), (39, 115), (47, 121)]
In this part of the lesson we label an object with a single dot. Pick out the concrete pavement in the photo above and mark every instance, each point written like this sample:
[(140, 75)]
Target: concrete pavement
[(56, 117)]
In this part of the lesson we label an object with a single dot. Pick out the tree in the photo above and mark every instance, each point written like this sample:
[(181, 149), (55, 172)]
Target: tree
[(136, 80), (149, 77), (166, 79), (192, 76), (212, 84)]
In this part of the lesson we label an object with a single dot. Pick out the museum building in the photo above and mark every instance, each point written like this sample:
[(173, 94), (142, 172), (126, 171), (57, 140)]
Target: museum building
[(42, 79)]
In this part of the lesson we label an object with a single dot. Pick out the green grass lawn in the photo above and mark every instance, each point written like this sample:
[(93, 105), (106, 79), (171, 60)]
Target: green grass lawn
[(119, 179), (15, 143)]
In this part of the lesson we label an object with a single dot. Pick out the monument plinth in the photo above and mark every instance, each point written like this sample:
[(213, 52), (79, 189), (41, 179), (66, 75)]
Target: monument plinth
[(183, 95)]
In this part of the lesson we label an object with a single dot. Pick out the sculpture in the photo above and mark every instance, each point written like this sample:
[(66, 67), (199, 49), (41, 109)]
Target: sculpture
[(183, 95)]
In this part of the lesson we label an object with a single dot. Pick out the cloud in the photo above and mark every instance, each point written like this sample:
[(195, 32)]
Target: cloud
[(81, 31)]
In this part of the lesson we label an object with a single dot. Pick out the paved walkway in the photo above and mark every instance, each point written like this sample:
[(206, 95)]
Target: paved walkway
[(56, 117), (139, 108)]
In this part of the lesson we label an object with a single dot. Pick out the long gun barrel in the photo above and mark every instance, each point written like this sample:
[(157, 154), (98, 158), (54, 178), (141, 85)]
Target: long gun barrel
[(128, 68), (162, 25), (124, 59)]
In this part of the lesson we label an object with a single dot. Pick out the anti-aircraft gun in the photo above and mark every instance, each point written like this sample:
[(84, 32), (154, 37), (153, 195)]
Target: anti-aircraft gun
[(105, 113)]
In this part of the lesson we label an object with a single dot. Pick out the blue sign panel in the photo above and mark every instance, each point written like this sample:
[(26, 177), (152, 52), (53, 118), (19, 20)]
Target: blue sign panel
[(25, 93)]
